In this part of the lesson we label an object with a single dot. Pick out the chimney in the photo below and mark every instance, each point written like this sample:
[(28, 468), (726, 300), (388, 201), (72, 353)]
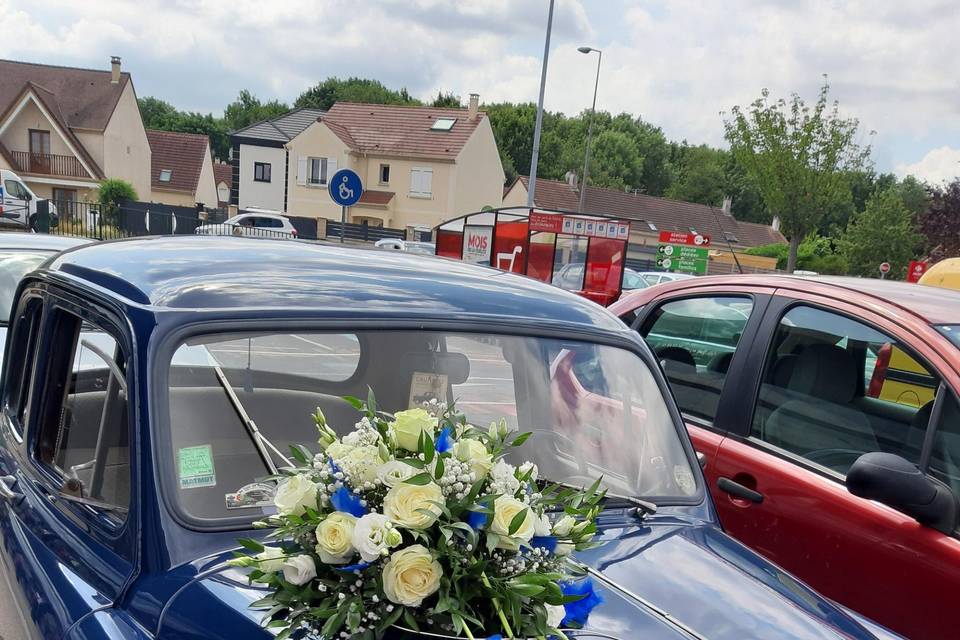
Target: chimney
[(114, 69), (727, 202), (474, 107), (775, 223), (571, 178)]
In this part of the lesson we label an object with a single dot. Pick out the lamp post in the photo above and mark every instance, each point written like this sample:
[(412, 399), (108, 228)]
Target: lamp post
[(593, 111)]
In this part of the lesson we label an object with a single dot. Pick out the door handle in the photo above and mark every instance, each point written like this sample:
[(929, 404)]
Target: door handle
[(6, 489), (737, 489)]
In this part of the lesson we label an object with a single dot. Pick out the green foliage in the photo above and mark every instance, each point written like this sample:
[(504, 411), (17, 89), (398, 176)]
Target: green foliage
[(110, 193), (447, 100), (915, 195), (160, 115), (799, 156), (883, 232), (247, 109), (324, 94), (699, 174), (816, 253)]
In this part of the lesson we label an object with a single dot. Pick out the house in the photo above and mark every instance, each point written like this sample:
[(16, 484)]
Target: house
[(649, 215), (63, 129), (181, 169), (223, 174), (260, 160), (419, 165)]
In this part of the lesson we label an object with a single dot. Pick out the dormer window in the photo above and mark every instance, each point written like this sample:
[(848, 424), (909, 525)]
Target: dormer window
[(443, 124), (165, 175)]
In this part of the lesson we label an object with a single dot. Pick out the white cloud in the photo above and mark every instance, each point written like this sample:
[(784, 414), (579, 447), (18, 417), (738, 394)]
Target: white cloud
[(938, 165)]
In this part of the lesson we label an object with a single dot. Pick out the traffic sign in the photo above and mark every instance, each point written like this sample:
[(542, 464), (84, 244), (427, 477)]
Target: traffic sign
[(345, 187), (679, 237), (682, 251), (884, 268), (917, 269), (683, 265)]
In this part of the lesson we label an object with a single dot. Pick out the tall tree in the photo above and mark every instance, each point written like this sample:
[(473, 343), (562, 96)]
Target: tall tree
[(940, 223), (160, 115), (883, 232), (698, 174), (156, 113), (247, 109), (448, 100), (915, 195), (799, 157), (324, 94)]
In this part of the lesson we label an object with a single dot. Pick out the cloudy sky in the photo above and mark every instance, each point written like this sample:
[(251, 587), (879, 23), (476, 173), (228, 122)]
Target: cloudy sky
[(678, 63)]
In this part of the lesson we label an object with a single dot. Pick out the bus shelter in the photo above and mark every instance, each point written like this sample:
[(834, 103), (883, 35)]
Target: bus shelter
[(578, 252)]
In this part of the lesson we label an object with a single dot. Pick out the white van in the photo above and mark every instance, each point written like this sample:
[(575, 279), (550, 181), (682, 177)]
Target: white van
[(19, 202)]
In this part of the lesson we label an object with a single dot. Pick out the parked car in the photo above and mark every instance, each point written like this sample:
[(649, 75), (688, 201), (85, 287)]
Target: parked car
[(827, 413), (659, 277), (395, 244), (570, 277), (123, 489), (253, 223), (18, 206)]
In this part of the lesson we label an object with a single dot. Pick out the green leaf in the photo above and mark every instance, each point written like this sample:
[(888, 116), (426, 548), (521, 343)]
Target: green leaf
[(520, 439), (420, 479), (416, 463), (427, 447), (517, 521), (492, 541), (527, 589), (371, 401), (354, 402), (252, 545), (410, 620), (440, 468), (298, 454)]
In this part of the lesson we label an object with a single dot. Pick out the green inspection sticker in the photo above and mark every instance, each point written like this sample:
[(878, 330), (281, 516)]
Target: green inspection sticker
[(195, 465)]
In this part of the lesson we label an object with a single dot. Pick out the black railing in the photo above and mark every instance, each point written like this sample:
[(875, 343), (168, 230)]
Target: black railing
[(363, 232)]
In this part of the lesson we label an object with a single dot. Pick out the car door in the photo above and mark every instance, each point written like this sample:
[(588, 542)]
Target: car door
[(780, 472), (66, 517), (697, 337)]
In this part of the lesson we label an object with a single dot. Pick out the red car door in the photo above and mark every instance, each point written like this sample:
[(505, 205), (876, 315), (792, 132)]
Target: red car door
[(778, 476)]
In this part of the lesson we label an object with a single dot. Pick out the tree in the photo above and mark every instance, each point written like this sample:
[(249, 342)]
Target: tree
[(111, 193), (940, 223), (324, 94), (447, 100), (156, 113), (799, 157), (883, 232), (616, 161), (699, 174), (915, 195), (247, 109), (816, 253), (163, 116)]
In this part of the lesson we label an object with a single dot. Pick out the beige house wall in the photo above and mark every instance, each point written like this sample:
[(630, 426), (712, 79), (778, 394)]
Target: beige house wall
[(416, 210), (176, 198), (126, 150), (16, 135), (516, 197), (313, 201), (207, 184), (92, 141), (479, 174)]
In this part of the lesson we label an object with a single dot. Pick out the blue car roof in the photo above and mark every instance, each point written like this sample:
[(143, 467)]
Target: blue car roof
[(223, 273)]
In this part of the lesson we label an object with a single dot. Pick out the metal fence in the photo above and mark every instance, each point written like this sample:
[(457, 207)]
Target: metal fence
[(363, 232)]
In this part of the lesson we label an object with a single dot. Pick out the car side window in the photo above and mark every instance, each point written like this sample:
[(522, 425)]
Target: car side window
[(23, 352), (944, 462), (83, 438), (695, 339), (834, 388)]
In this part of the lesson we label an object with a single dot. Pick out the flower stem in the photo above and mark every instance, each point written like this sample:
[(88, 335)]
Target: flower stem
[(496, 605)]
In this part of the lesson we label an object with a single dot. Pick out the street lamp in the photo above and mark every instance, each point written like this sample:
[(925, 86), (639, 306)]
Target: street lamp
[(593, 110)]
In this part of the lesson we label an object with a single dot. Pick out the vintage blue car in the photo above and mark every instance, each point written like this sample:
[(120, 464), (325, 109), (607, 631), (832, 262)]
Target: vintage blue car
[(151, 386)]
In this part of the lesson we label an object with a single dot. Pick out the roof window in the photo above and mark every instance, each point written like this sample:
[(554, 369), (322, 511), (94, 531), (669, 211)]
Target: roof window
[(651, 226), (165, 175), (443, 124)]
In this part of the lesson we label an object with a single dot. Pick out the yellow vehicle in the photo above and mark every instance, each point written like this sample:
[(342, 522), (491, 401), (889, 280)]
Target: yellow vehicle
[(945, 273), (899, 378)]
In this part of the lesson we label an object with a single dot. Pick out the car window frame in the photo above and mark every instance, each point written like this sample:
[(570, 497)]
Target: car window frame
[(781, 304)]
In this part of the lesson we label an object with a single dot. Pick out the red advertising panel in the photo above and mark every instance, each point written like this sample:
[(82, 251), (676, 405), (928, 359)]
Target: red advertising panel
[(604, 270), (509, 247), (540, 260), (917, 269), (450, 244), (680, 237), (550, 222)]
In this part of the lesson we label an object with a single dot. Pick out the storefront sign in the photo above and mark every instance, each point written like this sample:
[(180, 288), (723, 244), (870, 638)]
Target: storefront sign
[(477, 244), (679, 237)]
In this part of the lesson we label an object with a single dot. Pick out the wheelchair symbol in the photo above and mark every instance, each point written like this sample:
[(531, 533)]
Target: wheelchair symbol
[(346, 193)]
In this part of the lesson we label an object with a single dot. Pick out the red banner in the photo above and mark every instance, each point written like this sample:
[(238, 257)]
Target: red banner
[(917, 269), (549, 222), (679, 237)]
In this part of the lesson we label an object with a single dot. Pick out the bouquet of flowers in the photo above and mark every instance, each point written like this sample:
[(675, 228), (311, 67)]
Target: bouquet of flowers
[(416, 520)]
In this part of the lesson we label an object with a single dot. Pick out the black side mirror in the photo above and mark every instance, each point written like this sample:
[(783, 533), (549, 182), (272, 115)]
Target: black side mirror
[(898, 483)]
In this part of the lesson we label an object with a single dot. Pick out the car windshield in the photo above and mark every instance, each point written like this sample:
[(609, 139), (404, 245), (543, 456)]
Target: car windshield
[(633, 280), (593, 410), (14, 264)]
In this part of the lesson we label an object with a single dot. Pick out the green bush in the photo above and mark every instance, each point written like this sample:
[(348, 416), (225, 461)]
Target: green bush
[(110, 194), (815, 253)]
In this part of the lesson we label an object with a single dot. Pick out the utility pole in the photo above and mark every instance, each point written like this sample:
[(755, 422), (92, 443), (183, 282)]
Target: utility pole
[(532, 188), (593, 113)]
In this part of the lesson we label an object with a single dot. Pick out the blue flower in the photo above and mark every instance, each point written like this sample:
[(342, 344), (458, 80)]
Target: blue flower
[(544, 542), (350, 568), (333, 466), (478, 519), (579, 610), (345, 500), (444, 440), (496, 636)]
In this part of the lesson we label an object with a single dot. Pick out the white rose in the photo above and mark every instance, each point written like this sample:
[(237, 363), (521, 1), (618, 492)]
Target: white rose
[(475, 453), (403, 502), (393, 472), (408, 425), (503, 478), (334, 538), (299, 570), (563, 549), (270, 559), (541, 527), (373, 535), (555, 615), (338, 450), (532, 468), (505, 509), (563, 526), (295, 494), (411, 575)]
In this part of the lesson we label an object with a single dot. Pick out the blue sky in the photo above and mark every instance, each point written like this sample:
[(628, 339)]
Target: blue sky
[(677, 63)]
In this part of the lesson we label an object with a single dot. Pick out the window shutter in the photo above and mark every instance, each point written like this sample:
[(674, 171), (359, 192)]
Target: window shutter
[(302, 171), (414, 181), (426, 182), (331, 167)]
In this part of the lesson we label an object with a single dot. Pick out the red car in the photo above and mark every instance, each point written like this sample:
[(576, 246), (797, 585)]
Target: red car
[(826, 412)]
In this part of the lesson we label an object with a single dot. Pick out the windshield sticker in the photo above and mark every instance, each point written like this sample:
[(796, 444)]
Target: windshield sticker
[(258, 494), (684, 479), (195, 466), (426, 387)]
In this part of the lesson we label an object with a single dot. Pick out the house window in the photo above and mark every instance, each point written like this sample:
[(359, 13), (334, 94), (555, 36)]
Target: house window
[(39, 142), (421, 182), (384, 174), (443, 124), (318, 171), (261, 172), (165, 175)]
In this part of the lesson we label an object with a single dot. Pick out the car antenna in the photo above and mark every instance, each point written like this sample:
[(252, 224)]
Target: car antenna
[(726, 239)]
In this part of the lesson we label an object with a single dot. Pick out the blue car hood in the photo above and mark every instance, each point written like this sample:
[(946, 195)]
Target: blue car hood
[(664, 578)]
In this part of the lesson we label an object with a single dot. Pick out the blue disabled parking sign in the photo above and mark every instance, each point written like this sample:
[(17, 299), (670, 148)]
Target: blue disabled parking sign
[(345, 187)]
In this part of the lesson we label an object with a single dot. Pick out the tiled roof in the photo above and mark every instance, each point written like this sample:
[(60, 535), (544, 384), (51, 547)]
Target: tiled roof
[(379, 198), (223, 172), (283, 128), (85, 98), (182, 153), (401, 130), (664, 214)]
